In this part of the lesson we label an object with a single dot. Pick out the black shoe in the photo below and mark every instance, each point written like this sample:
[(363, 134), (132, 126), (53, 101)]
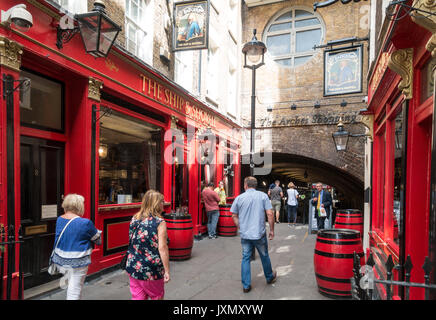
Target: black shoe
[(246, 290), (273, 279)]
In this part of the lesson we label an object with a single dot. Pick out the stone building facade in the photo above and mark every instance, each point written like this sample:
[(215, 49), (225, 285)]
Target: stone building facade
[(293, 116)]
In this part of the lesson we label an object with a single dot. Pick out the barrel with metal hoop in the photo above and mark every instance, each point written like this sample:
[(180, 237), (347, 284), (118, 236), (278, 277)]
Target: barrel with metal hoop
[(181, 236), (226, 227), (349, 219), (333, 261)]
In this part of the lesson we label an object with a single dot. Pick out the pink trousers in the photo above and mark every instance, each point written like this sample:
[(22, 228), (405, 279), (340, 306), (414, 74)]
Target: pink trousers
[(145, 289)]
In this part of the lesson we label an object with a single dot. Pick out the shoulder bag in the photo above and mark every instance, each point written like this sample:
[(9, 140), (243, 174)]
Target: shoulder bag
[(53, 268)]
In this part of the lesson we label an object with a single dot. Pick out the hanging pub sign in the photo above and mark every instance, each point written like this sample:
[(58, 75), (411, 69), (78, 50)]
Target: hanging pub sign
[(343, 71), (191, 25)]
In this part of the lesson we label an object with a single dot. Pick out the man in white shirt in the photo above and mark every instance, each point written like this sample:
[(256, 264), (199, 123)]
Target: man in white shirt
[(293, 195)]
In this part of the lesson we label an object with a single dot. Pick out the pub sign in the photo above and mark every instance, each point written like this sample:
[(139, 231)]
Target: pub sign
[(343, 71), (191, 25)]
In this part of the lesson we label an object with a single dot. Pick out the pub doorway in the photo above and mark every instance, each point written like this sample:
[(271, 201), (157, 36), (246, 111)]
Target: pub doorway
[(42, 188)]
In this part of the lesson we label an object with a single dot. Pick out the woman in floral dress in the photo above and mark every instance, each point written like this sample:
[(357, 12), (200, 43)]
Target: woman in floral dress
[(148, 257)]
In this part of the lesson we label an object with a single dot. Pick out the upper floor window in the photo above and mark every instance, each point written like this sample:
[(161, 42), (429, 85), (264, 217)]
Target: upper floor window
[(73, 6), (138, 19), (291, 36)]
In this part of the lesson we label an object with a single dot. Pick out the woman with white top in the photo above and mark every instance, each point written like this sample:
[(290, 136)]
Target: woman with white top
[(293, 195), (73, 251)]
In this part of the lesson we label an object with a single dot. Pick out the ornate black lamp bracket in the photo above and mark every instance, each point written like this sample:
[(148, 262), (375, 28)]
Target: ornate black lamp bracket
[(65, 35), (7, 79), (402, 3), (103, 112)]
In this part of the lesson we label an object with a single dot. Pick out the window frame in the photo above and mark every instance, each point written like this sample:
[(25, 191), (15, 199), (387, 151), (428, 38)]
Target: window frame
[(129, 21), (128, 113), (293, 34), (382, 222)]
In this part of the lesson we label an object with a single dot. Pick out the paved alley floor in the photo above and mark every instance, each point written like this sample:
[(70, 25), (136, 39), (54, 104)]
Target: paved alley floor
[(213, 272)]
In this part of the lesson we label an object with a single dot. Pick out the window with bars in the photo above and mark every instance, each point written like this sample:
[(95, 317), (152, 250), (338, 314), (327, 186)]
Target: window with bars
[(291, 36)]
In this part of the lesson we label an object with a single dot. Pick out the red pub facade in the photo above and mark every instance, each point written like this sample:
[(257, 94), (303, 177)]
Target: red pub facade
[(106, 128), (401, 103)]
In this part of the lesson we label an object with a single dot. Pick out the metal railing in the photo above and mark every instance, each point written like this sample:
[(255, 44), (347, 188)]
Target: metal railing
[(7, 244), (363, 281)]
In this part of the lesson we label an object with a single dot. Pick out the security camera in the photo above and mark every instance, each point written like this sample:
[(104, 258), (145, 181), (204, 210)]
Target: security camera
[(18, 16)]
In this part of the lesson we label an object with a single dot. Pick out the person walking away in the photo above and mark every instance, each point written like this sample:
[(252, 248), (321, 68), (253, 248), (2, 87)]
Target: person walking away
[(293, 196), (221, 193), (276, 195), (211, 200), (73, 252), (147, 255), (321, 199), (248, 213)]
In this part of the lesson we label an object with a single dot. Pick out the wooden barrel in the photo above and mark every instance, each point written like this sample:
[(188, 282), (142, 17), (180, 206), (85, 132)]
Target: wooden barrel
[(333, 261), (181, 236), (226, 227), (349, 219)]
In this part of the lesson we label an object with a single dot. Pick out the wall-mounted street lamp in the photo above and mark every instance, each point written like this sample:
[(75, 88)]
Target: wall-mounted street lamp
[(341, 137), (254, 50), (98, 31)]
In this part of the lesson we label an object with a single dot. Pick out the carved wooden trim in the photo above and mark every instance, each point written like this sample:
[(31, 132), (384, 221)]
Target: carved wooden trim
[(10, 54), (426, 21), (401, 62), (94, 88)]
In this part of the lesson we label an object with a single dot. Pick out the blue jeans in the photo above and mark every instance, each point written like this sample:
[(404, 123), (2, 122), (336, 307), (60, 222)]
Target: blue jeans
[(262, 247), (212, 220), (292, 213)]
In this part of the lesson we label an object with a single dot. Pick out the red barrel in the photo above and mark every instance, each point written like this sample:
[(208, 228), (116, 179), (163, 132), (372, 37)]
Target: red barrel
[(333, 261), (226, 227), (181, 236), (349, 219)]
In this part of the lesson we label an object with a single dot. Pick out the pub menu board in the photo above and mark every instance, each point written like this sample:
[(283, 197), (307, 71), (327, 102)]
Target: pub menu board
[(191, 25), (343, 71)]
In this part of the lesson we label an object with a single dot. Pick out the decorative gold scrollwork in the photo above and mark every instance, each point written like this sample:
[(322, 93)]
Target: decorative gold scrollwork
[(401, 62), (10, 53)]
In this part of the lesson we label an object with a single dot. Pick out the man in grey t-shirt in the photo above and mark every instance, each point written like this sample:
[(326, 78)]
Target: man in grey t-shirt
[(248, 213), (276, 195)]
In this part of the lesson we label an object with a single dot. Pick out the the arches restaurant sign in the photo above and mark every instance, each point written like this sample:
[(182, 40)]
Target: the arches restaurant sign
[(309, 119), (191, 25)]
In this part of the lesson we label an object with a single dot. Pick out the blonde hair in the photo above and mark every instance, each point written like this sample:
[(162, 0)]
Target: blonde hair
[(150, 205), (291, 185), (75, 203)]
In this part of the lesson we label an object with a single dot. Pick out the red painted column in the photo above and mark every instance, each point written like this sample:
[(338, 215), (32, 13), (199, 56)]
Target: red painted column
[(10, 62)]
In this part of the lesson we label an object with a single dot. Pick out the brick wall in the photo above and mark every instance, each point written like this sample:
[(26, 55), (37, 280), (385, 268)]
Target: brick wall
[(279, 87)]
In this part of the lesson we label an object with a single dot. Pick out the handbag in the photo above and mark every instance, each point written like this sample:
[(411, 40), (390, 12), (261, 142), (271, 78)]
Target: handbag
[(322, 212), (53, 268), (123, 262)]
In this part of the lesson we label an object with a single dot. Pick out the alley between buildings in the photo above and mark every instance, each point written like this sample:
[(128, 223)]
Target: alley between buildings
[(213, 272)]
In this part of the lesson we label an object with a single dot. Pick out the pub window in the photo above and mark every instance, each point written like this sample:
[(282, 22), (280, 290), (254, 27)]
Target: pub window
[(207, 160), (181, 174), (291, 36), (381, 185), (398, 133), (130, 158), (427, 81), (41, 103), (229, 172)]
